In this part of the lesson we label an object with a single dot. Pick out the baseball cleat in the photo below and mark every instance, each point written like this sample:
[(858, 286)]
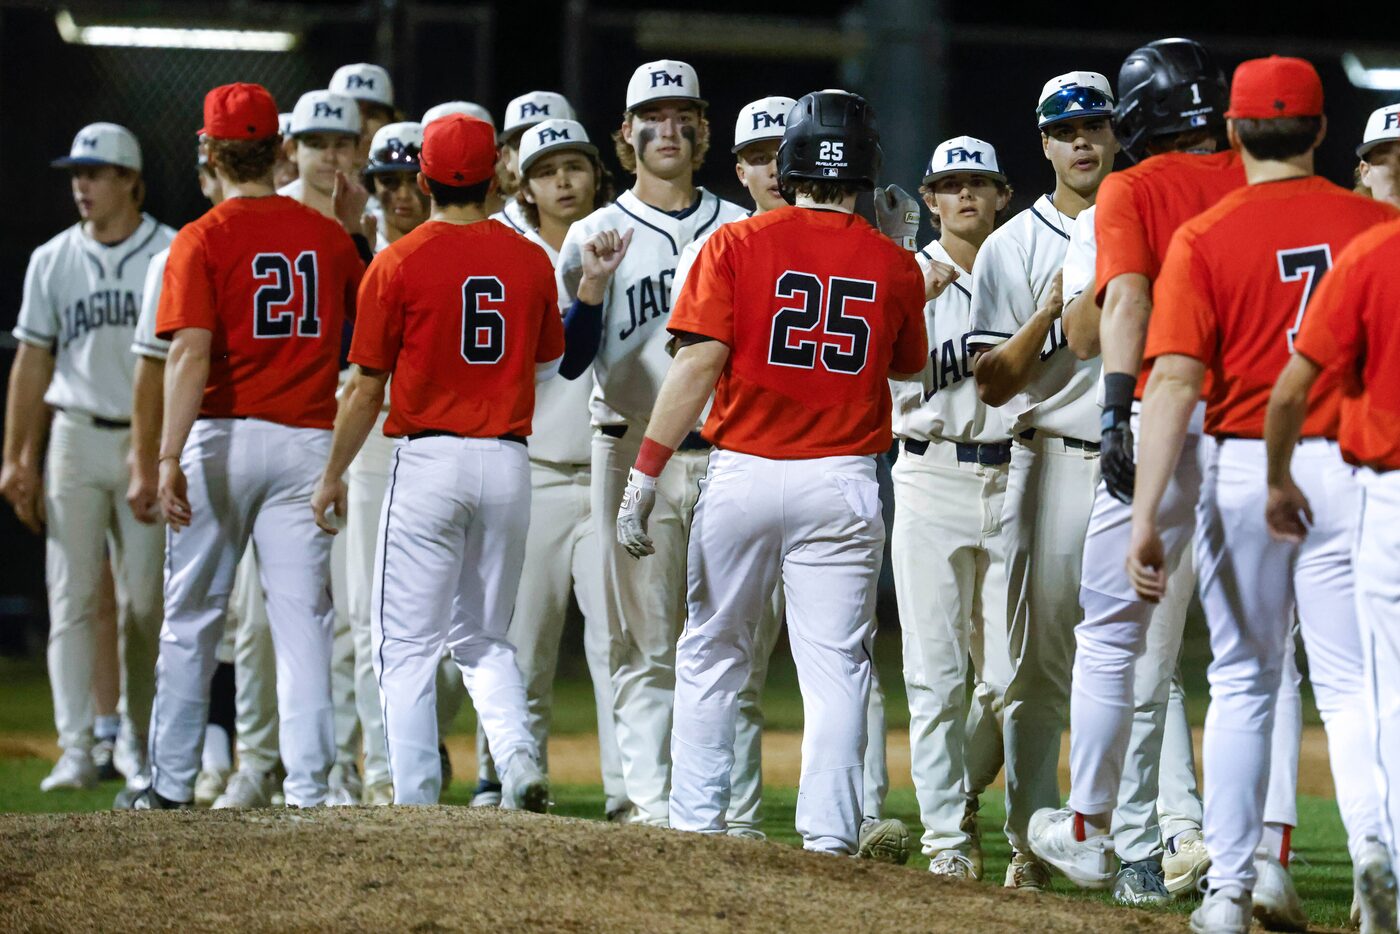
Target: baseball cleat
[(1222, 913), (1276, 901), (950, 864), (152, 800), (102, 752), (245, 789), (73, 771), (1026, 872), (340, 797), (529, 790), (1185, 862), (1088, 863), (487, 795), (969, 826), (126, 798), (208, 785), (129, 757), (379, 794), (747, 833), (1140, 885), (623, 814), (1375, 888), (885, 841)]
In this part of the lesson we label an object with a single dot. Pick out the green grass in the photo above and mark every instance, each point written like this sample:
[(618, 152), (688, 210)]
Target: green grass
[(1321, 868)]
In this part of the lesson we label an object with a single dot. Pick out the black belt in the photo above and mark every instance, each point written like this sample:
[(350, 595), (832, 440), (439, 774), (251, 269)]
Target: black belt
[(692, 442), (97, 421), (436, 433), (1073, 443), (986, 455)]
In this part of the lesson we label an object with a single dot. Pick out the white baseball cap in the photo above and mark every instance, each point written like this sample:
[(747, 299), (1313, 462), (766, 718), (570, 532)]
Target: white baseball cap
[(763, 119), (284, 124), (535, 107), (325, 112), (457, 107), (1382, 127), (1073, 95), (103, 144), (363, 82), (664, 80), (963, 154), (544, 138), (396, 147)]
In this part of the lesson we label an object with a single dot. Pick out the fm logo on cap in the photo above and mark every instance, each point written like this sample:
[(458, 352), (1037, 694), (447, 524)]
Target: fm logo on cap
[(959, 154), (663, 78), (1392, 121), (323, 109), (88, 142), (359, 81), (548, 135), (531, 109), (763, 119)]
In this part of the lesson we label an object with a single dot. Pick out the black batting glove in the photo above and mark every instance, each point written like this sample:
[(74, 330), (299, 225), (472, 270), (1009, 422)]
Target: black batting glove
[(1116, 441)]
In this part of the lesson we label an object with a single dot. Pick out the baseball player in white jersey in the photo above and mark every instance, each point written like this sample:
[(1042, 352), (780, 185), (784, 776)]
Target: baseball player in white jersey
[(1379, 152), (616, 269), (1023, 364), (523, 112), (947, 547), (370, 87), (82, 295), (562, 181)]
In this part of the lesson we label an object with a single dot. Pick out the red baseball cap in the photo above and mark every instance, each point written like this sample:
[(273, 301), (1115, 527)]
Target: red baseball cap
[(1268, 88), (458, 150), (239, 111)]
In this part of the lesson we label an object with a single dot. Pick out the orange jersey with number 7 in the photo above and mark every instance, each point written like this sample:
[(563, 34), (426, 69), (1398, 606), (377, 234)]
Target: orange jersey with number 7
[(816, 307), (1234, 290), (273, 281)]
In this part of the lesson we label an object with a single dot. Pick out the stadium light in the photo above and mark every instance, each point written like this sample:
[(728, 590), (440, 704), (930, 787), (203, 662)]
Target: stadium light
[(1373, 74), (166, 37)]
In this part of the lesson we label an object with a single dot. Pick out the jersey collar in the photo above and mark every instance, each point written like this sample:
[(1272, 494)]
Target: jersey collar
[(676, 230)]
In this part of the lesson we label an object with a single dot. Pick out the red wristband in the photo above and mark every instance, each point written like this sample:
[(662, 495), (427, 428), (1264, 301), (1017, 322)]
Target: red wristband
[(652, 458)]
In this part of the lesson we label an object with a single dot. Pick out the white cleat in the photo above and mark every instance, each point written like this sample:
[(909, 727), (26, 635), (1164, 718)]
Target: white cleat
[(74, 771), (208, 785), (1276, 901), (129, 757), (340, 797), (1088, 863), (1375, 888), (529, 789), (885, 841), (1185, 864), (246, 789), (380, 794), (1221, 913), (1027, 873), (950, 864), (746, 833)]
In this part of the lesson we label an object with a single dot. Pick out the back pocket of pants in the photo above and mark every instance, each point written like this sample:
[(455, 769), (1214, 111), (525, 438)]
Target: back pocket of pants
[(861, 495)]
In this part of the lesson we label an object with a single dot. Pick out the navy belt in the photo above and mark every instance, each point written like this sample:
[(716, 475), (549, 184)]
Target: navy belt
[(96, 421), (985, 455), (436, 433), (692, 442), (1075, 444)]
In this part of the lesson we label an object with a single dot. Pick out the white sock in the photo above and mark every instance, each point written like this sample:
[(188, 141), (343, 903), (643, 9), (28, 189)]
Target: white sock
[(107, 726), (1273, 841), (218, 756)]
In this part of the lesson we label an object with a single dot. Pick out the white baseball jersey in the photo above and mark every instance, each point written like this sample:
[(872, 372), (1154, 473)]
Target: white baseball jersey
[(81, 301), (145, 343), (1080, 256), (560, 432), (513, 216), (632, 359), (1015, 268), (942, 402)]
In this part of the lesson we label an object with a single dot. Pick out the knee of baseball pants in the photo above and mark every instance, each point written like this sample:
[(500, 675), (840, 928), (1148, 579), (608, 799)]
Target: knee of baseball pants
[(184, 670)]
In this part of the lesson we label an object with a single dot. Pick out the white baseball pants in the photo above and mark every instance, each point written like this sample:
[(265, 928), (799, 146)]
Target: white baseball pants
[(561, 557), (347, 717), (88, 521), (645, 605), (1250, 586), (816, 527), (452, 541), (254, 668), (948, 556), (1378, 613), (1049, 495), (247, 479)]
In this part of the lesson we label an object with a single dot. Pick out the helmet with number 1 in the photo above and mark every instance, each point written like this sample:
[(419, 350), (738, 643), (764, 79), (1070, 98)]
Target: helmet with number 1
[(830, 136), (1166, 87)]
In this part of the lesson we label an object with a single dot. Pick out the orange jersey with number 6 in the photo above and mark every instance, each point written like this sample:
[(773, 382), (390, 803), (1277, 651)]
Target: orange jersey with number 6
[(273, 281), (1234, 290), (816, 307), (462, 314)]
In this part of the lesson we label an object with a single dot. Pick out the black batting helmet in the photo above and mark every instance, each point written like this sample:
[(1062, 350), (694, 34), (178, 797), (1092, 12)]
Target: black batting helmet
[(1168, 86), (831, 136)]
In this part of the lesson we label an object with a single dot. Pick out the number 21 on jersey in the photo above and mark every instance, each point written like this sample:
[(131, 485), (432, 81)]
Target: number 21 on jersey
[(275, 313)]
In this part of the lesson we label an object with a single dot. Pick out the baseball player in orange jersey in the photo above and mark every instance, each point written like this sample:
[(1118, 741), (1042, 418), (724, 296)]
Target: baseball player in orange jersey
[(793, 319), (82, 290), (464, 315), (1230, 297), (1351, 330), (253, 299), (1022, 362)]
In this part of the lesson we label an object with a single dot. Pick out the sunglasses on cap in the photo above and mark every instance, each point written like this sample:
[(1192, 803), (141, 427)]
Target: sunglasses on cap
[(391, 180), (395, 157), (1074, 102)]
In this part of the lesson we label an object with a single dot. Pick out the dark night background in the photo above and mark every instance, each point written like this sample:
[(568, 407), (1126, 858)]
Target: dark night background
[(933, 70)]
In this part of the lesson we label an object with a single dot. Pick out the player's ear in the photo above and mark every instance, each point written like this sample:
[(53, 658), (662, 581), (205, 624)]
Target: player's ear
[(1321, 131), (739, 172), (929, 201), (423, 185), (1045, 144), (1232, 135), (289, 146)]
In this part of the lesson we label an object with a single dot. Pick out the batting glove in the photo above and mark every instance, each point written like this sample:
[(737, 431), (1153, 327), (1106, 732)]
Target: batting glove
[(637, 502), (897, 215), (1116, 442)]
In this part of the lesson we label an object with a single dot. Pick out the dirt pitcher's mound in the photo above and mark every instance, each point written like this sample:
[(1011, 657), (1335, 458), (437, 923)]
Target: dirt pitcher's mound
[(460, 869)]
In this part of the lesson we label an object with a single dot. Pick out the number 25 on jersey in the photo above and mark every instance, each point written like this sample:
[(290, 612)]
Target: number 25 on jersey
[(824, 320)]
